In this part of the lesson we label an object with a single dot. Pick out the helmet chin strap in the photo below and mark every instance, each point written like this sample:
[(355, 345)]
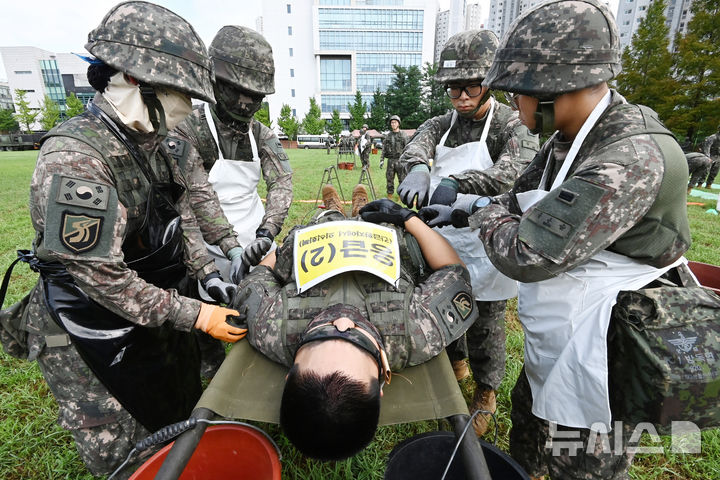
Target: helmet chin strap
[(156, 112), (482, 101), (544, 118)]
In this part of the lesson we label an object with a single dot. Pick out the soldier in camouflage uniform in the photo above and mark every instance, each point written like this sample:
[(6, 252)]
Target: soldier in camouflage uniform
[(88, 205), (405, 323), (711, 148), (601, 208), (393, 145), (502, 147), (364, 145), (698, 167), (244, 71)]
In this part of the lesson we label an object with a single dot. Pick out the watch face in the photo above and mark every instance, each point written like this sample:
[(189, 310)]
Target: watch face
[(482, 202)]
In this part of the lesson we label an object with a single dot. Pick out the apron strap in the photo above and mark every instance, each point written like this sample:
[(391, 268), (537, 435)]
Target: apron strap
[(213, 131)]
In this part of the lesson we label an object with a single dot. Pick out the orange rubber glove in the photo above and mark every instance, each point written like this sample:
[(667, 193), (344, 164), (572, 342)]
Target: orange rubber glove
[(214, 321)]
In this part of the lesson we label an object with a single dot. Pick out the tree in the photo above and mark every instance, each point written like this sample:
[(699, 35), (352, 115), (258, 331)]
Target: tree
[(378, 114), (646, 76), (25, 115), (697, 109), (404, 94), (49, 113), (434, 100), (8, 123), (74, 106), (335, 125), (357, 112), (313, 122), (287, 123), (263, 115)]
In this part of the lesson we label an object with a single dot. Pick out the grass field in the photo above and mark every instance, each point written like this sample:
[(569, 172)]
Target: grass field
[(33, 447)]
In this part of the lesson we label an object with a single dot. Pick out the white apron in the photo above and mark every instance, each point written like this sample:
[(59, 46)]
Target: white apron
[(566, 319), (487, 282), (235, 182)]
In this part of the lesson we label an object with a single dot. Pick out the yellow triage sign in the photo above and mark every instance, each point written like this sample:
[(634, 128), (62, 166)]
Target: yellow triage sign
[(328, 249)]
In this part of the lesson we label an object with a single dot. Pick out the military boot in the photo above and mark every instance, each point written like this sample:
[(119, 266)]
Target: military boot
[(460, 367), (483, 400), (331, 199), (359, 199)]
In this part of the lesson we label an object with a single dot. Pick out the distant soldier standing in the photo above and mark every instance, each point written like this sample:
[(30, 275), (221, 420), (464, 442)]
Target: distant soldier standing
[(711, 147), (364, 144), (115, 238), (479, 148), (393, 145)]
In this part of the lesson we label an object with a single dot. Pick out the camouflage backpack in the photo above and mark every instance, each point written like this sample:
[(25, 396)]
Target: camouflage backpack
[(664, 357)]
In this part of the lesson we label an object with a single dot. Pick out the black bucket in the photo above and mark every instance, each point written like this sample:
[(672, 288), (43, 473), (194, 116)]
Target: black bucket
[(425, 457)]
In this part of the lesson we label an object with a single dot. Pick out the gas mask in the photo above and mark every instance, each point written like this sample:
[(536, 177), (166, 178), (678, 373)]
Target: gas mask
[(234, 105), (322, 328)]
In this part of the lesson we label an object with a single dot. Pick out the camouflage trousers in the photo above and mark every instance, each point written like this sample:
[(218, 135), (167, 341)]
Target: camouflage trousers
[(484, 345), (365, 157), (714, 169), (394, 169), (698, 168), (103, 430), (563, 452)]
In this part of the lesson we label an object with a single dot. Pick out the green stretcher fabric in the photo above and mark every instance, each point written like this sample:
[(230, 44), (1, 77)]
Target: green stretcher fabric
[(249, 386)]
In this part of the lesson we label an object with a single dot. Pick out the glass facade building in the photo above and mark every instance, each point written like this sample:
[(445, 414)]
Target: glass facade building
[(53, 82), (359, 42)]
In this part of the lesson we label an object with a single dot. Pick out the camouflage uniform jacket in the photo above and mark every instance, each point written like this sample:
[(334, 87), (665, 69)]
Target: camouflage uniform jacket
[(393, 144), (628, 169), (274, 164), (509, 142), (101, 272), (711, 146), (276, 326)]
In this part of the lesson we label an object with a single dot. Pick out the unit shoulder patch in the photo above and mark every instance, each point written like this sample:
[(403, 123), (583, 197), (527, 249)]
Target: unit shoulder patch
[(80, 233)]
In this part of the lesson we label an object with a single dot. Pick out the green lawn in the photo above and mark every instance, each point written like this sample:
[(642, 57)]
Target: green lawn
[(33, 447)]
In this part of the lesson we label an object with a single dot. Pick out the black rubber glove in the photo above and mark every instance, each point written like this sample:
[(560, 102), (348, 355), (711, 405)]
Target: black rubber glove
[(256, 250), (437, 215), (386, 211), (446, 193), (220, 291), (416, 186)]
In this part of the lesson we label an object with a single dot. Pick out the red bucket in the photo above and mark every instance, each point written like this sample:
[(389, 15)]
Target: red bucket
[(708, 275), (230, 452)]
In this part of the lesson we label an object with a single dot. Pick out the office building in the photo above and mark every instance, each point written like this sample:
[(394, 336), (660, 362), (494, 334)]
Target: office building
[(38, 73), (631, 12), (460, 17), (329, 49)]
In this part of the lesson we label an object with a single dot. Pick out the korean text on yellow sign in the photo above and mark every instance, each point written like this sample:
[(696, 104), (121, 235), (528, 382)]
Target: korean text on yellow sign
[(328, 249)]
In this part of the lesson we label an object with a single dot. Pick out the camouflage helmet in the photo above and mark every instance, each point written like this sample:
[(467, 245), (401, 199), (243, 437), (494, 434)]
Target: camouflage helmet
[(557, 47), (467, 56), (395, 117), (154, 45), (365, 126), (243, 58)]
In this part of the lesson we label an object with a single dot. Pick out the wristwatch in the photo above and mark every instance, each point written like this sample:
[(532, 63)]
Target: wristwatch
[(480, 203)]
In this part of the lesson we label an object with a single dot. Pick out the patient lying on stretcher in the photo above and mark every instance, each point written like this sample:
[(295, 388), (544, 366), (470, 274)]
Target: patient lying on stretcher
[(344, 331)]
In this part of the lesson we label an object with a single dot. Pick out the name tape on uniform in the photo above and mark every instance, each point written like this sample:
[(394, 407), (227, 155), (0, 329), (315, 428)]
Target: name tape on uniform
[(328, 249)]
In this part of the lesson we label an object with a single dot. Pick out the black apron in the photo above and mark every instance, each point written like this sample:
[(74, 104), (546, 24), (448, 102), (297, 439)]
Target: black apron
[(153, 372)]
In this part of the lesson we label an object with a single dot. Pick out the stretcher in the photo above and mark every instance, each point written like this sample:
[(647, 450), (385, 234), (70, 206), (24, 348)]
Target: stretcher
[(248, 386)]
